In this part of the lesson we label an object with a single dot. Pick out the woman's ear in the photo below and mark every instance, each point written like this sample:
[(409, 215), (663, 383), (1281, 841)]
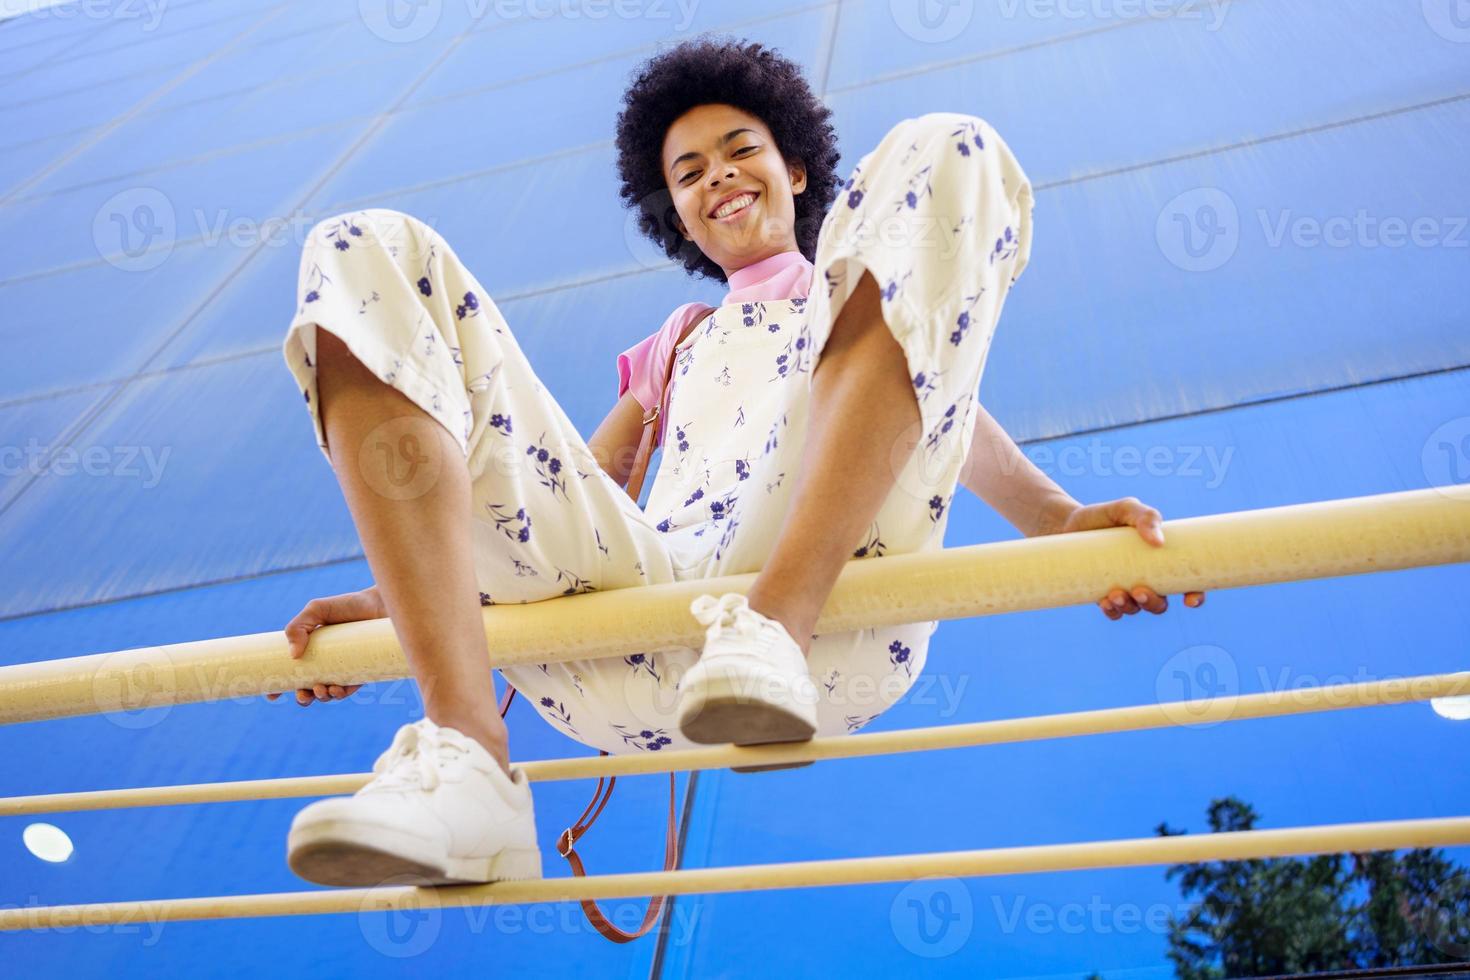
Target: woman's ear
[(798, 177)]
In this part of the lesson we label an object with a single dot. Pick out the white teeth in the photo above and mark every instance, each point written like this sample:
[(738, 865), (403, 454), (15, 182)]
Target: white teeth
[(728, 209)]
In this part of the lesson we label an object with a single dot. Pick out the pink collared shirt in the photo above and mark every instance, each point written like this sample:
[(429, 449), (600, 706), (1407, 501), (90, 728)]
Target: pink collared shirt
[(785, 275)]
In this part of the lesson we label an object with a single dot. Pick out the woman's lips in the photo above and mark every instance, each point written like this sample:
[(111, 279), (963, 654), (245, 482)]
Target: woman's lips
[(732, 218)]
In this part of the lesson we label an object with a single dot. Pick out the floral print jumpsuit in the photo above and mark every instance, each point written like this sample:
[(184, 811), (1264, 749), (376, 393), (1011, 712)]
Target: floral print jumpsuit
[(939, 212)]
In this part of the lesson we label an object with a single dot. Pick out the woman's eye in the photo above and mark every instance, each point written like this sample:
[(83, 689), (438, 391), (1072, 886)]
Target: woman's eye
[(694, 173)]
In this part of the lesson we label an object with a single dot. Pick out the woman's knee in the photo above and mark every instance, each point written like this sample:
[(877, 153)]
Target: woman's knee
[(970, 132), (376, 226)]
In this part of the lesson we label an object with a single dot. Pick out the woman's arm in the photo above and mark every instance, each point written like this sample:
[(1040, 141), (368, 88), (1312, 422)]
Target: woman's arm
[(998, 473), (615, 442)]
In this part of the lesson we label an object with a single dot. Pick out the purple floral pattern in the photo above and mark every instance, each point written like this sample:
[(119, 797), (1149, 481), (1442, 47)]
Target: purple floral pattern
[(647, 739), (548, 468), (643, 663), (873, 546), (516, 527), (900, 656), (470, 306), (557, 712)]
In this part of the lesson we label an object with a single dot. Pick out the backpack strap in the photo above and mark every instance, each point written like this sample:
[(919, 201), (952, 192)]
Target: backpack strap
[(646, 443), (652, 423), (566, 844)]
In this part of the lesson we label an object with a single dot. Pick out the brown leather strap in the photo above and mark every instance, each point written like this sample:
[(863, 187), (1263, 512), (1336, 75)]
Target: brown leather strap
[(634, 486), (653, 424), (566, 844)]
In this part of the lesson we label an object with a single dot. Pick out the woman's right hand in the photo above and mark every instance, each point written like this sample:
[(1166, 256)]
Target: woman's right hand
[(350, 607)]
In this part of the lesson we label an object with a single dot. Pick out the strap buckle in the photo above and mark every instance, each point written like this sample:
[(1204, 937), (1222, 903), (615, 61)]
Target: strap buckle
[(565, 842), (652, 414)]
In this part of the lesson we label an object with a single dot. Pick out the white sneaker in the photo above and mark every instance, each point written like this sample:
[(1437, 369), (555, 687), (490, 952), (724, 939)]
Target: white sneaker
[(439, 807), (751, 684)]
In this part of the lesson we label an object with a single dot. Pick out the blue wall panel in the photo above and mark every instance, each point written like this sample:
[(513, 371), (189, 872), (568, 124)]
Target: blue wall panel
[(351, 94), (1161, 88), (20, 162), (31, 428), (131, 43), (73, 108), (913, 39), (205, 448), (454, 136), (287, 55), (1306, 285), (197, 201), (511, 48), (108, 320)]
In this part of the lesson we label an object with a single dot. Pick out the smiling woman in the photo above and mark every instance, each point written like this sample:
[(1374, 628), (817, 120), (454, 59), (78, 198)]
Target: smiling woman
[(819, 414), (705, 103)]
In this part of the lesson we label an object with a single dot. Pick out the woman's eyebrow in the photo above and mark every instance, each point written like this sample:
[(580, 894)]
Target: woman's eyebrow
[(723, 140)]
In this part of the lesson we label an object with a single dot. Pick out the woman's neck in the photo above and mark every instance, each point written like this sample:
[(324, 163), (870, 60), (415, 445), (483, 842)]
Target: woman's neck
[(784, 275)]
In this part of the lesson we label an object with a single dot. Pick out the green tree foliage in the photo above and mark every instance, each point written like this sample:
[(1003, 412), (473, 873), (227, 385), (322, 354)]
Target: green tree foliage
[(1326, 912)]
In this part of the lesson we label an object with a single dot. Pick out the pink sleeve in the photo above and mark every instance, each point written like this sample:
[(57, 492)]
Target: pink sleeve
[(640, 367), (634, 363)]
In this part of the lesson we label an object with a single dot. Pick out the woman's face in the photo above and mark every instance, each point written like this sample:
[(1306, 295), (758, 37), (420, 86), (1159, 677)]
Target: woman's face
[(714, 152)]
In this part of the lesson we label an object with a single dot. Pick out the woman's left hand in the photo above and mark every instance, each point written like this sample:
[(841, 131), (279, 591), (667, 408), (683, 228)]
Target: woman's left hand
[(1127, 512)]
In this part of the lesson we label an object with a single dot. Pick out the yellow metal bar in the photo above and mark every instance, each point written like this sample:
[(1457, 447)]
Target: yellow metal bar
[(1223, 551), (1269, 704), (1133, 852)]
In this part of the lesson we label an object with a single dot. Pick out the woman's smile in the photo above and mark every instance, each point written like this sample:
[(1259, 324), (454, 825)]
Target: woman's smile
[(744, 204)]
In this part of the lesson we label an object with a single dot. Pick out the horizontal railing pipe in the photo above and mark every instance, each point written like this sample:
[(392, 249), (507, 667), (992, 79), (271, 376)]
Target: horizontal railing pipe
[(1235, 845), (1101, 721), (1352, 536)]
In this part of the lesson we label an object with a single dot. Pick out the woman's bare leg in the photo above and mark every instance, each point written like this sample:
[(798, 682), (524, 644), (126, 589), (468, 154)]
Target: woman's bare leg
[(418, 541), (862, 405)]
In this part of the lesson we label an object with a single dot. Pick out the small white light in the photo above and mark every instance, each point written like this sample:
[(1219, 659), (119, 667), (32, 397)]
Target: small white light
[(1455, 709), (47, 842)]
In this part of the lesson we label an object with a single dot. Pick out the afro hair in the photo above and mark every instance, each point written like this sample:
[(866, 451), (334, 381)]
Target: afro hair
[(750, 76)]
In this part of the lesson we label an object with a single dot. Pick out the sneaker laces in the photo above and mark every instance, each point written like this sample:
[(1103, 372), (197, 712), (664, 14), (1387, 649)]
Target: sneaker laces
[(412, 761), (732, 611)]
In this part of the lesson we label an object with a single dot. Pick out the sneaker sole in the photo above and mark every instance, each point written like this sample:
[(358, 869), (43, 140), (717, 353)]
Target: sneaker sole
[(341, 852), (723, 716)]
